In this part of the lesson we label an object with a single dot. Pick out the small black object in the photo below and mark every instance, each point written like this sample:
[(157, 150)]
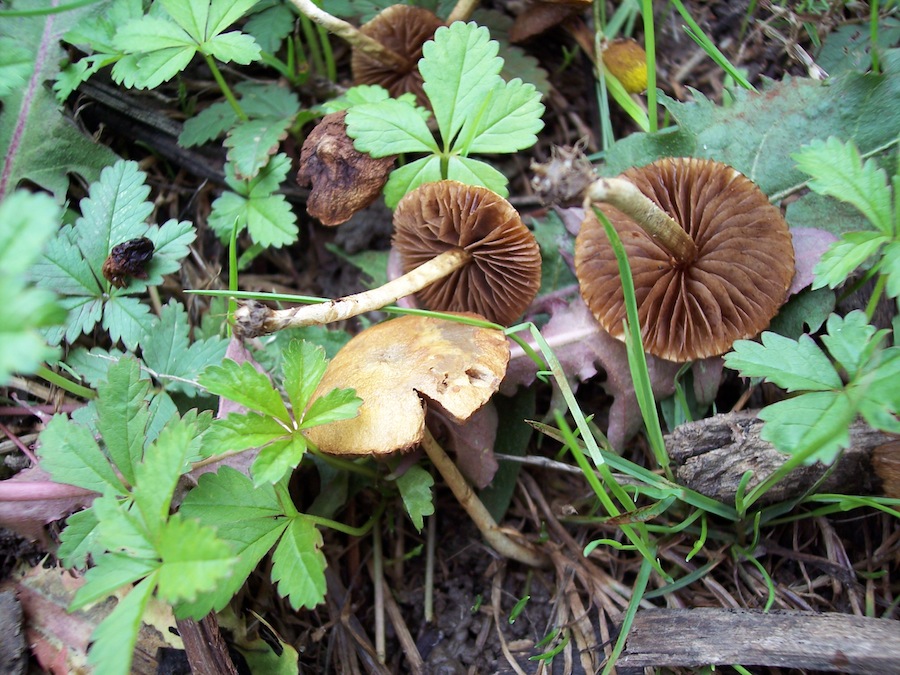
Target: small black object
[(128, 259)]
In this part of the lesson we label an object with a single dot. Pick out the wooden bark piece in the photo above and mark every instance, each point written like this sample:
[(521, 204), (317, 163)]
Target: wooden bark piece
[(785, 639), (712, 454)]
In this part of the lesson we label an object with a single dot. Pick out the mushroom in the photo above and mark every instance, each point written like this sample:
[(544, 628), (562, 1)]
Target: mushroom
[(463, 248), (344, 180), (403, 366), (711, 257)]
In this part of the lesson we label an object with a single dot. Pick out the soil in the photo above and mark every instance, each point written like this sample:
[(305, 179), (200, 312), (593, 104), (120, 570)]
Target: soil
[(491, 615)]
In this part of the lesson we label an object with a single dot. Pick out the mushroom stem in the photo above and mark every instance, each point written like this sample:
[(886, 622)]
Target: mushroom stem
[(368, 45), (477, 510), (249, 324), (462, 10), (626, 197)]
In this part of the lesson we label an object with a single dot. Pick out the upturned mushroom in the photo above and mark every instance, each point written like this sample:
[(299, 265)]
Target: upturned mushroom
[(464, 249), (402, 367), (711, 257)]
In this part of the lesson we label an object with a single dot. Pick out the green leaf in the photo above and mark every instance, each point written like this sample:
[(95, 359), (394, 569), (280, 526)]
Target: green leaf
[(127, 319), (415, 489), (508, 121), (249, 518), (844, 256), (850, 341), (122, 415), (233, 47), (163, 49), (16, 66), (837, 170), (791, 364), (880, 382), (303, 367), (26, 222), (476, 172), (120, 528), (115, 638), (818, 421), (251, 144), (222, 13), (241, 432), (110, 572), (890, 267), (389, 127), (408, 177), (298, 565), (194, 560), (207, 125), (69, 453), (168, 352), (277, 458), (171, 244), (337, 404), (79, 540), (270, 26), (459, 67), (246, 386), (157, 475)]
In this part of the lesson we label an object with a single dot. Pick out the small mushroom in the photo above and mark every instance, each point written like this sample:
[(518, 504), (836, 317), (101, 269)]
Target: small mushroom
[(711, 257), (403, 29), (343, 179), (401, 367), (464, 249)]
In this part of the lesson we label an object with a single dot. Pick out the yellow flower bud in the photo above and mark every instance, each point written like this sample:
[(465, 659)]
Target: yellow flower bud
[(627, 61)]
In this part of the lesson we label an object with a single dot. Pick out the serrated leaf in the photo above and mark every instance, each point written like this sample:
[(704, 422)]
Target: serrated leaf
[(246, 386), (890, 268), (223, 13), (171, 243), (115, 637), (251, 144), (64, 269), (122, 415), (389, 127), (475, 172), (849, 340), (837, 170), (26, 222), (127, 319), (406, 178), (110, 572), (881, 382), (69, 453), (844, 256), (298, 565), (270, 26), (303, 366), (194, 560), (120, 528), (168, 352), (459, 67), (277, 458), (268, 100), (241, 432), (16, 65), (157, 475), (819, 420), (163, 49), (507, 121), (207, 125), (79, 540), (337, 404), (233, 47), (791, 364), (415, 489)]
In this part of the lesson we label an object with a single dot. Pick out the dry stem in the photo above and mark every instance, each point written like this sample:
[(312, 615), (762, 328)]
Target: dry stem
[(462, 11), (476, 509), (626, 197), (350, 33), (249, 325)]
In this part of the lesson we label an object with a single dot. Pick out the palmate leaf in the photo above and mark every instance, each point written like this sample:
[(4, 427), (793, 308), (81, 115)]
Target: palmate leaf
[(187, 570), (791, 364), (389, 127), (415, 488), (246, 386), (507, 120), (851, 341), (837, 170), (251, 144), (298, 564), (122, 415)]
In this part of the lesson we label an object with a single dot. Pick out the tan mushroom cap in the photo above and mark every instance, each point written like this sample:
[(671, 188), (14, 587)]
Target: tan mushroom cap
[(504, 273), (400, 366), (697, 309), (403, 29)]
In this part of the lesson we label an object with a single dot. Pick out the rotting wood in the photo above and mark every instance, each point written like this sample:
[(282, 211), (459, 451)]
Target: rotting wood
[(711, 456), (205, 647), (786, 639)]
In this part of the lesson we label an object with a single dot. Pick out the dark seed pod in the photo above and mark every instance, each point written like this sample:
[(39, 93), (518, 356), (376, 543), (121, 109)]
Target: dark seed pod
[(128, 259)]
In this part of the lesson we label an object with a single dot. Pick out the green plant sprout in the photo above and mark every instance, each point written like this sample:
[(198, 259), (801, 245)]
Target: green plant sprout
[(475, 109)]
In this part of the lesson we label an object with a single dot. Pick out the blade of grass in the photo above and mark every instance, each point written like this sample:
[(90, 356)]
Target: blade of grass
[(650, 49), (637, 594)]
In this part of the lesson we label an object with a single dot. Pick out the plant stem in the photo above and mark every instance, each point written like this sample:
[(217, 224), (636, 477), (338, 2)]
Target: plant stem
[(477, 510), (462, 11), (650, 49), (359, 40), (65, 384), (378, 582), (251, 325), (226, 90), (626, 197)]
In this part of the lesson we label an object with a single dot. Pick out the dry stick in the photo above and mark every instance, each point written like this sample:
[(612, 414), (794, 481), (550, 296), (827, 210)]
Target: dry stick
[(626, 197), (346, 31), (352, 305), (476, 509)]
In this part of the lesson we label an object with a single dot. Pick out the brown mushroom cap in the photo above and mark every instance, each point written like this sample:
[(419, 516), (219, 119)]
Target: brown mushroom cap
[(343, 179), (403, 29), (504, 272), (397, 368), (739, 279)]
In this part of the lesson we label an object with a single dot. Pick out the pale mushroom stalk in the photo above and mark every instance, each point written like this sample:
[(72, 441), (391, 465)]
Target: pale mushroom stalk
[(625, 196), (250, 324), (476, 509), (348, 32), (462, 10)]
